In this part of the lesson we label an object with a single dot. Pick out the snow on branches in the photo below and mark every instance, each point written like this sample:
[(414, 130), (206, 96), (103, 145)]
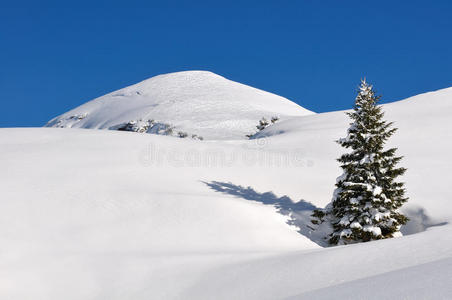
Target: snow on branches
[(367, 196)]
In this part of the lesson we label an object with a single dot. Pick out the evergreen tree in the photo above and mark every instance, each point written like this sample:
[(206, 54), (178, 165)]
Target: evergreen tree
[(263, 123), (367, 197), (274, 119)]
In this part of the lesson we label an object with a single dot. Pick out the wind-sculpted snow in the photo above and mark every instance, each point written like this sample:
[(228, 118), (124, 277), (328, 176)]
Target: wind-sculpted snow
[(198, 102), (91, 214)]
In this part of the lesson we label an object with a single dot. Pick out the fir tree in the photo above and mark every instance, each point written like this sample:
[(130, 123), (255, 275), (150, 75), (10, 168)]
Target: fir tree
[(263, 123), (367, 197), (274, 119)]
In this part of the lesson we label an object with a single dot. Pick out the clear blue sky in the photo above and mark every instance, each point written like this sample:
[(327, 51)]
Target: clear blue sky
[(56, 55)]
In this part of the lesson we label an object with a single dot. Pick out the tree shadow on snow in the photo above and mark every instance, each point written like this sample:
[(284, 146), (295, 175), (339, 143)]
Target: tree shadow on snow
[(299, 213), (419, 221)]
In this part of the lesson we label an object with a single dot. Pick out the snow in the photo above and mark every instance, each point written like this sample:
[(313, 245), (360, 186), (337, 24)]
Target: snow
[(197, 102), (96, 214), (377, 190), (424, 281), (380, 215), (368, 158), (376, 231), (355, 225), (354, 201)]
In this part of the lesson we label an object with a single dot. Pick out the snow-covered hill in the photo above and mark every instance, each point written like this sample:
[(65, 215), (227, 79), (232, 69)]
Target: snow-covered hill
[(196, 102), (93, 214)]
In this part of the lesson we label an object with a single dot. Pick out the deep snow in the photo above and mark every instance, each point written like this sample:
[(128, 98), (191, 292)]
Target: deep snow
[(93, 214)]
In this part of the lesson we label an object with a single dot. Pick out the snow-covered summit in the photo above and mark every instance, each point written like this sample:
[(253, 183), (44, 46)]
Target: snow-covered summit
[(196, 102)]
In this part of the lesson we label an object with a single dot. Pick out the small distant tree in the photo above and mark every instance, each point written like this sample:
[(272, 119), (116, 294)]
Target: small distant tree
[(263, 123), (197, 137), (367, 197), (182, 134), (166, 130)]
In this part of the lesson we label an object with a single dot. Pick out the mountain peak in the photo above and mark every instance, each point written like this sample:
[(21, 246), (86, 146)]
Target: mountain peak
[(197, 102)]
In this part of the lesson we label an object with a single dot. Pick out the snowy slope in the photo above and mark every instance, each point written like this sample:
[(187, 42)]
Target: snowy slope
[(116, 215), (423, 138), (90, 214), (196, 102)]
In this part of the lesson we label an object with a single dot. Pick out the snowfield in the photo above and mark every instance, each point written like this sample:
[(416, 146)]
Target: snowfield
[(101, 214)]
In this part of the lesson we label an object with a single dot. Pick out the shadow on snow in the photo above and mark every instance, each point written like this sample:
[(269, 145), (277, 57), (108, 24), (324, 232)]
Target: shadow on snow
[(299, 213), (419, 221)]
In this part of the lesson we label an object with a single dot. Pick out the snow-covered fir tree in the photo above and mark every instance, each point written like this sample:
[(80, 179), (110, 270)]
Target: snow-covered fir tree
[(263, 123), (274, 119), (367, 197)]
